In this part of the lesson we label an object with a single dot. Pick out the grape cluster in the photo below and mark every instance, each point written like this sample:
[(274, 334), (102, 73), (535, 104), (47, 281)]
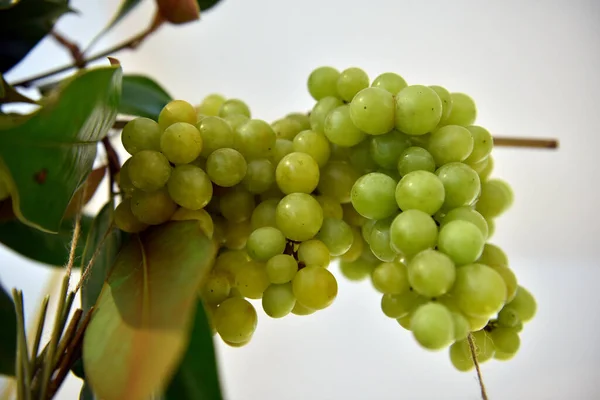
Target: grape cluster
[(391, 179)]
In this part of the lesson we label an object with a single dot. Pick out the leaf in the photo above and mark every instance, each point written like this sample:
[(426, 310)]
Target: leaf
[(86, 392), (8, 333), (4, 4), (197, 376), (142, 97), (124, 9), (59, 142), (87, 191), (142, 320), (207, 4), (9, 94), (24, 25), (44, 247)]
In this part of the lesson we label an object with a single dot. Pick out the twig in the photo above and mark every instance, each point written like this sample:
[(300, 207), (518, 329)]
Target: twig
[(90, 264), (71, 329), (76, 233), (23, 371), (526, 142), (484, 395), (38, 333), (114, 165), (72, 47)]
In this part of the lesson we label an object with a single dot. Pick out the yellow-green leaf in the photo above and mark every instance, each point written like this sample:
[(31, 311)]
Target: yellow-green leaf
[(142, 320)]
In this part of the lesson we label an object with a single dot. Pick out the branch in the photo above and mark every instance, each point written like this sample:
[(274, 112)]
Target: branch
[(72, 47), (526, 142)]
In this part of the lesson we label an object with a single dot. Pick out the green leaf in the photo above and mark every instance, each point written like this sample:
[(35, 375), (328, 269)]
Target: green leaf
[(197, 376), (24, 25), (142, 320), (9, 94), (142, 97), (8, 333), (47, 248), (59, 142), (124, 9), (207, 4)]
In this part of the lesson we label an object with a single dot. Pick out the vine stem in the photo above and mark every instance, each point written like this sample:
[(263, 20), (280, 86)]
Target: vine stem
[(484, 395)]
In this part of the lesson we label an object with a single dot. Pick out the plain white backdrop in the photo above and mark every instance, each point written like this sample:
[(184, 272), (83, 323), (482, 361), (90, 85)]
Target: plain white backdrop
[(534, 69)]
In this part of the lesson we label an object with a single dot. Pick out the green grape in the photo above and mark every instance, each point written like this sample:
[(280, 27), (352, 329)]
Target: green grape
[(379, 241), (226, 167), (337, 236), (337, 180), (466, 214), (496, 198), (431, 273), (264, 243), (181, 143), (418, 110), (486, 171), (314, 253), (315, 287), (506, 340), (255, 139), (124, 181), (389, 81), (281, 268), (297, 173), (176, 111), (420, 140), (152, 208), (420, 190), (351, 216), (372, 111), (299, 216), (190, 187), (460, 356), (450, 143), (322, 82), (484, 345), (199, 162), (400, 305), (446, 99), (479, 290), (235, 121), (510, 280), (478, 166), (339, 128), (405, 321), (216, 288), (287, 128), (491, 227), (252, 280), (201, 216), (524, 304), (358, 244), (235, 320), (299, 309), (356, 270), (272, 193), (477, 323), (282, 148), (391, 173), (390, 278), (373, 196), (278, 300), (320, 112), (386, 149), (331, 207), (461, 184), (315, 144), (216, 134), (339, 153), (148, 170), (360, 157), (508, 317), (461, 326), (211, 104), (233, 107), (125, 220), (230, 263), (219, 223), (493, 255), (302, 118), (260, 175), (432, 326), (463, 112), (350, 82), (141, 134), (415, 159), (264, 214), (498, 355), (462, 241), (413, 231), (237, 205), (483, 143)]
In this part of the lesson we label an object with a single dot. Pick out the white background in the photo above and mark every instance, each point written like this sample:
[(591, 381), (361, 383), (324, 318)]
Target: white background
[(534, 69)]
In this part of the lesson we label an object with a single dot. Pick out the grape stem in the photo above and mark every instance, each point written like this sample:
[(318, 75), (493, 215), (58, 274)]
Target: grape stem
[(526, 142), (484, 395)]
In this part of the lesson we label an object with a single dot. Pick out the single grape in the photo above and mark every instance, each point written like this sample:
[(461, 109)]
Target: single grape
[(358, 244), (339, 128), (446, 99), (466, 214), (415, 159), (356, 270), (255, 139), (235, 320), (413, 231), (418, 110), (124, 181), (315, 144), (462, 241), (302, 118), (400, 305), (339, 153), (524, 304), (176, 111), (264, 214), (420, 140), (272, 193), (483, 143), (508, 317), (322, 82), (463, 110), (351, 216), (506, 340), (390, 278), (321, 110), (460, 356), (432, 326), (278, 300), (301, 310), (264, 243), (281, 268), (315, 287), (386, 149), (498, 355), (216, 134), (367, 229), (510, 280), (252, 279), (125, 220), (181, 143), (204, 219), (389, 81), (360, 157), (314, 253), (479, 290), (337, 236), (450, 143), (372, 111), (484, 345), (211, 104), (226, 167), (431, 273), (152, 208), (461, 184), (405, 321), (190, 187), (462, 328), (496, 198), (297, 173), (299, 216), (233, 107), (380, 242), (373, 196), (282, 148), (336, 180), (216, 288), (237, 205), (235, 121), (260, 175), (331, 207), (148, 170), (420, 190), (350, 82), (230, 262), (141, 134), (287, 128), (493, 255)]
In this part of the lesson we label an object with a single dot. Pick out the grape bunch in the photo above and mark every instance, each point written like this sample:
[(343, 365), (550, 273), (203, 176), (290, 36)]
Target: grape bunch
[(390, 179)]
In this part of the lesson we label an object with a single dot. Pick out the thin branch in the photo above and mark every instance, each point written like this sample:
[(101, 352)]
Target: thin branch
[(114, 165), (71, 47), (526, 142), (484, 395)]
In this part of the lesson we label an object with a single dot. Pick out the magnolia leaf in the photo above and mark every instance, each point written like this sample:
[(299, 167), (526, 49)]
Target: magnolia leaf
[(142, 97)]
